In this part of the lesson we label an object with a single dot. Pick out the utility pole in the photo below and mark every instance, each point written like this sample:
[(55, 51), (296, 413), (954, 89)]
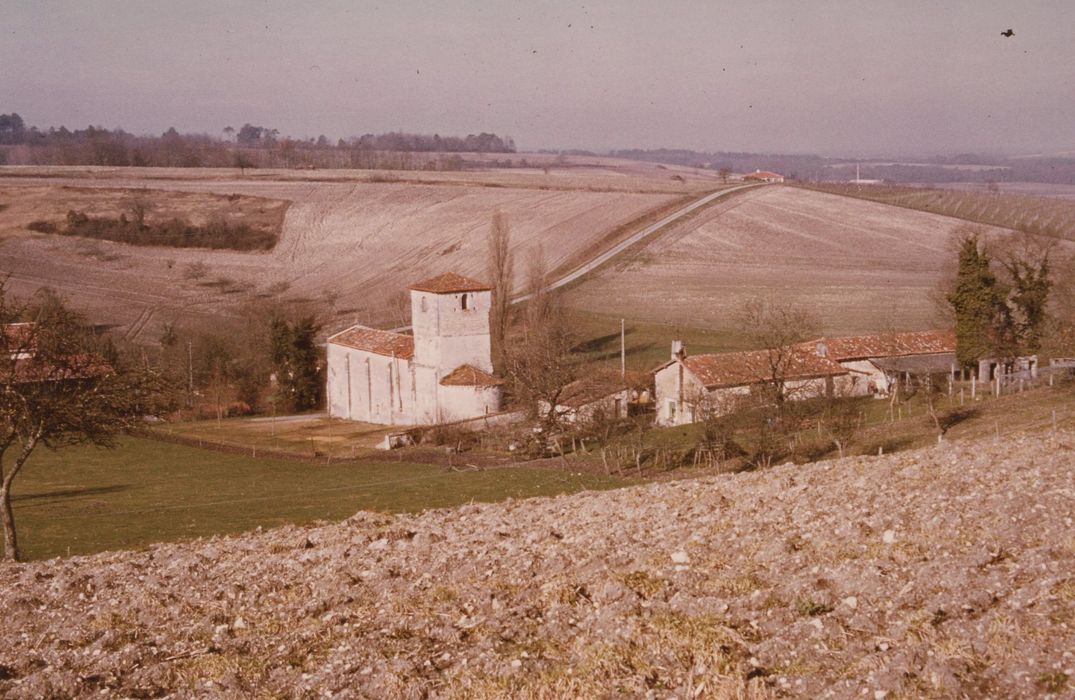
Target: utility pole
[(623, 352), (190, 373)]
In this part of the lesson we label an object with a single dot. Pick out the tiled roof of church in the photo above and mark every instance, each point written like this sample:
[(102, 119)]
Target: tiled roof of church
[(376, 341), (469, 375), (450, 283)]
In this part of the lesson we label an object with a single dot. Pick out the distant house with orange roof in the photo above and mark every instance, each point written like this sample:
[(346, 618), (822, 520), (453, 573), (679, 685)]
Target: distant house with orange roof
[(440, 374), (763, 176)]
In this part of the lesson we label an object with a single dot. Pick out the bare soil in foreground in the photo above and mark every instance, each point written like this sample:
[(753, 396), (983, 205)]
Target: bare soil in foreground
[(945, 572), (859, 266)]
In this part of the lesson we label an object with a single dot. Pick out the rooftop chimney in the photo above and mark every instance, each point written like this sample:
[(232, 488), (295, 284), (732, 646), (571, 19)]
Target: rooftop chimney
[(679, 351)]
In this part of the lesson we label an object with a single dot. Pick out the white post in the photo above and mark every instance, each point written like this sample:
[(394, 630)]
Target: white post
[(623, 352)]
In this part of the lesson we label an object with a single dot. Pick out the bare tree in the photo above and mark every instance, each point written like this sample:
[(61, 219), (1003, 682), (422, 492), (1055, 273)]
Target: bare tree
[(777, 328), (501, 275), (538, 360), (58, 386), (720, 420), (841, 420)]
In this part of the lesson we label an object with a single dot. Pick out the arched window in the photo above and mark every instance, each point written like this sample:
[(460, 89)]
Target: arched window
[(422, 303), (465, 301)]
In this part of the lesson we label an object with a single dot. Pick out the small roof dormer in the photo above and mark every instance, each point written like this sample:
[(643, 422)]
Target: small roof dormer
[(450, 283)]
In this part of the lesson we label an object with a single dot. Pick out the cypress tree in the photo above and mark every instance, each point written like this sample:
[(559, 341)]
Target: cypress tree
[(976, 302)]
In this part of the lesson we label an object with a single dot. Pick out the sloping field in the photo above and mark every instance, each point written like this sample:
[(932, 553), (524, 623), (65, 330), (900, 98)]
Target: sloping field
[(1051, 216), (861, 266), (350, 246), (942, 573)]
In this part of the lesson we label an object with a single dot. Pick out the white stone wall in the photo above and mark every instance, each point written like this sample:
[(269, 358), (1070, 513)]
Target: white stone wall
[(676, 392), (462, 402), (371, 388), (446, 335), (865, 379), (606, 405)]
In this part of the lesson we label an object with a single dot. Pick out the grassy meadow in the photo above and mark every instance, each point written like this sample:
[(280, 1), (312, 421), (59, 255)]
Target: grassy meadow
[(84, 499)]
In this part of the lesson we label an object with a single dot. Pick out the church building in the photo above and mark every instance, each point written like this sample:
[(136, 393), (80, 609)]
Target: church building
[(442, 373)]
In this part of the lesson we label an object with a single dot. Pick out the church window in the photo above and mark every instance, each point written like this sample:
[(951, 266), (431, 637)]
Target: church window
[(465, 302)]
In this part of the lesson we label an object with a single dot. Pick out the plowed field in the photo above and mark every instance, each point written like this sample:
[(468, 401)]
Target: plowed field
[(350, 246), (860, 266)]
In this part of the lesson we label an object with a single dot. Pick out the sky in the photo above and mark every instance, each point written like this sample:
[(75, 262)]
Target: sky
[(834, 77)]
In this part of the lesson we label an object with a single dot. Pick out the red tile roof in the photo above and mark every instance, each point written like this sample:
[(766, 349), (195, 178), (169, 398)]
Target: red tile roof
[(753, 367), (18, 337), (860, 347), (450, 283), (599, 384), (469, 375), (376, 341)]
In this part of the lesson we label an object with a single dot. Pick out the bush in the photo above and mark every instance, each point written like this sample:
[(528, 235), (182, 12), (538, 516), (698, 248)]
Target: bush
[(174, 233), (42, 226)]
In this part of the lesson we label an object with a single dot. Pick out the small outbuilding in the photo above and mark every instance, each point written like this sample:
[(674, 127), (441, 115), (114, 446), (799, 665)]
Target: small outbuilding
[(876, 362)]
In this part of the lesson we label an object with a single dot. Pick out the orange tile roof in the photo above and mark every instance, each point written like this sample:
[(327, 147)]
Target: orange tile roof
[(469, 375), (450, 283), (599, 384), (762, 174), (860, 347), (752, 367), (18, 337), (376, 341)]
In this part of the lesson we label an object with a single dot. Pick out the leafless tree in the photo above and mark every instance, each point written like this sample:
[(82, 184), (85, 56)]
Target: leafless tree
[(720, 420), (501, 275), (538, 362), (777, 328)]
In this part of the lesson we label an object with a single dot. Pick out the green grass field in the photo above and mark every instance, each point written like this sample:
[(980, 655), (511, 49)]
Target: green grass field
[(83, 500)]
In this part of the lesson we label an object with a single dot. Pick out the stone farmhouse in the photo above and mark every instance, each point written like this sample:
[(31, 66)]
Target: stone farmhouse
[(868, 365), (441, 374), (688, 383), (876, 362)]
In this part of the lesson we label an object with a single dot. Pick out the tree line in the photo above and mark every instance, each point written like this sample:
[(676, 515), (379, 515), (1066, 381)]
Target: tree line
[(248, 146)]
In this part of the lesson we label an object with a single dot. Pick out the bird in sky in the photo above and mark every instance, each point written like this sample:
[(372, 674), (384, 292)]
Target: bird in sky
[(1008, 32)]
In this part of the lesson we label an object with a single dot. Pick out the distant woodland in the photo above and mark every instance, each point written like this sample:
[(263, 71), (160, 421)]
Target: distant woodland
[(249, 146)]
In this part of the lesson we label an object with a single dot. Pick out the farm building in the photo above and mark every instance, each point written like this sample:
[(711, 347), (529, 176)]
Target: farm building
[(442, 373), (688, 385), (875, 362), (763, 176), (608, 393)]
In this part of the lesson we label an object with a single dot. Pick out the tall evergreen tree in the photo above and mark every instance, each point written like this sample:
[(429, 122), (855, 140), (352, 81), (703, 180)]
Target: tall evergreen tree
[(976, 301), (296, 361)]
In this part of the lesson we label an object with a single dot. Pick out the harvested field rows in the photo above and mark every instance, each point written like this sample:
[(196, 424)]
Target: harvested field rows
[(1047, 216), (860, 266), (351, 247)]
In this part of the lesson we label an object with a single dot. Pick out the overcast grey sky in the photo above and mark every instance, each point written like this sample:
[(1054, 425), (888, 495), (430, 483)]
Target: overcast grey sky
[(828, 76)]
